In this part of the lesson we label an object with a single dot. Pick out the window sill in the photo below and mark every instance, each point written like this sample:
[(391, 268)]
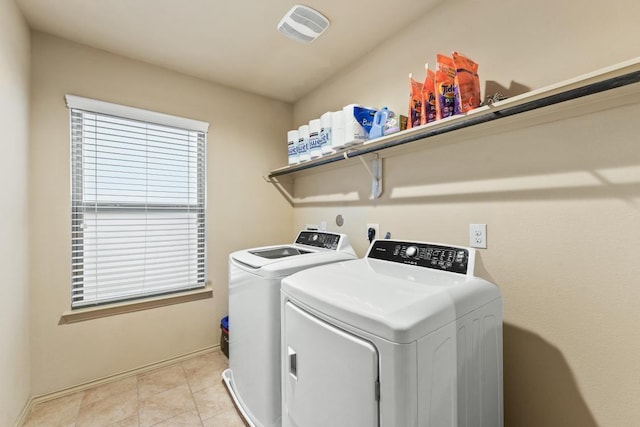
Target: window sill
[(80, 315)]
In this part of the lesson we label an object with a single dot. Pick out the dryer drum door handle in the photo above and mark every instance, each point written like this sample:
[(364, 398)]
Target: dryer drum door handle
[(293, 363)]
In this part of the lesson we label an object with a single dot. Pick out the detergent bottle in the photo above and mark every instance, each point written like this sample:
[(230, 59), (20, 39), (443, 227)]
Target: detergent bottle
[(379, 120)]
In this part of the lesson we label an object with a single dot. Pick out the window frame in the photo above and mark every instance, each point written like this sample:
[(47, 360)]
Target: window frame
[(79, 205)]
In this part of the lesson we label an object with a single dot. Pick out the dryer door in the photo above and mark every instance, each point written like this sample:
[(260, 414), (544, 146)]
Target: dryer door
[(330, 377)]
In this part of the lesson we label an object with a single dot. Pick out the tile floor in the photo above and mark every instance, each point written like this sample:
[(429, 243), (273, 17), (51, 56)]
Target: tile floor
[(188, 393)]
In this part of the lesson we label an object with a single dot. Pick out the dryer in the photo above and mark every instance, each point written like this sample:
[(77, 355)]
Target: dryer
[(253, 377), (406, 336)]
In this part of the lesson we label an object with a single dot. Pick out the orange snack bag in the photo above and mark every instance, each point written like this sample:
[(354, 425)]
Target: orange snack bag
[(468, 83), (445, 88), (415, 103), (429, 97)]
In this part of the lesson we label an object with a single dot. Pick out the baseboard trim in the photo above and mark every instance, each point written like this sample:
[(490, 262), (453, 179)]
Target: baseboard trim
[(25, 412), (34, 400)]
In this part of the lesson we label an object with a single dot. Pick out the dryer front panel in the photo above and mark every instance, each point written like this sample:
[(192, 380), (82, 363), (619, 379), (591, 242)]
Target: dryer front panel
[(330, 377)]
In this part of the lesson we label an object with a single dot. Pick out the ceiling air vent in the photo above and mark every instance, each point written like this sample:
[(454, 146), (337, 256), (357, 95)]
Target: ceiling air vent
[(303, 24)]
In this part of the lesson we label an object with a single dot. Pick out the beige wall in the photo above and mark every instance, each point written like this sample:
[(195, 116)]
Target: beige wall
[(245, 139), (14, 279), (561, 199), (516, 43)]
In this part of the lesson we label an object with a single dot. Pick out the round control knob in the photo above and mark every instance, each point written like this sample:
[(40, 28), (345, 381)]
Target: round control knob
[(411, 251), (314, 237)]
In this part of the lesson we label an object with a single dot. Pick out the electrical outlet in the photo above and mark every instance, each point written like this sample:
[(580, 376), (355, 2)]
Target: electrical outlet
[(376, 228), (478, 236)]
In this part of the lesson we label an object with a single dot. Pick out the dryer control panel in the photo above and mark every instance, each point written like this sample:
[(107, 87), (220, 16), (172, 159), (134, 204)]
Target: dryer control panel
[(319, 239), (427, 255)]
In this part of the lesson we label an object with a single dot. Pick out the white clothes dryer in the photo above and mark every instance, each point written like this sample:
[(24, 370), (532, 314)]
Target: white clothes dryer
[(253, 377), (404, 337)]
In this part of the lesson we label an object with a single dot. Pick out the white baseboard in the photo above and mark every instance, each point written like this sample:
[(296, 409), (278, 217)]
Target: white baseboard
[(25, 412), (33, 400)]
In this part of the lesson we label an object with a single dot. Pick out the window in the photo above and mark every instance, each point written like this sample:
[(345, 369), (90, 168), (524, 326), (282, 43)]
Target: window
[(137, 203)]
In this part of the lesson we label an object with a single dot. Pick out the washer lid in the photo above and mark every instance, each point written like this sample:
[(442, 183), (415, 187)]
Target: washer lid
[(278, 252), (275, 266), (311, 248), (397, 302), (259, 258)]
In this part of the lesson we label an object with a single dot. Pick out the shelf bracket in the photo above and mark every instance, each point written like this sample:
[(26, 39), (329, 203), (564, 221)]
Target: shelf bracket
[(376, 175), (286, 189)]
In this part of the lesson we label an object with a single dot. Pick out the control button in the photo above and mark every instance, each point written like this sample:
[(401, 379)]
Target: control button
[(315, 237), (411, 251)]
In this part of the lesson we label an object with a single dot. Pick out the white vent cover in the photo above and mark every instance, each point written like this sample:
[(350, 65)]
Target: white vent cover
[(303, 24)]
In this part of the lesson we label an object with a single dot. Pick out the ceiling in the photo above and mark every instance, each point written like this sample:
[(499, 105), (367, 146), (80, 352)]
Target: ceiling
[(234, 43)]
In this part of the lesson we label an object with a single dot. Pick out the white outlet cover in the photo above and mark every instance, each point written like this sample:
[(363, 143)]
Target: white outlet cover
[(478, 236)]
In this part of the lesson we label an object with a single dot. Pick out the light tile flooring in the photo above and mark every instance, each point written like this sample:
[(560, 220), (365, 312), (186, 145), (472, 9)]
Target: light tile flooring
[(189, 393)]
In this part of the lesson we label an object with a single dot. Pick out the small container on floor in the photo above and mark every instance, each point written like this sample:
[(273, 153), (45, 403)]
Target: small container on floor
[(224, 335)]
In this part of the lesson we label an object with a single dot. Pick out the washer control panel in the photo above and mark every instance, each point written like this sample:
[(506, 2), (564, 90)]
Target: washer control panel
[(427, 255), (319, 239)]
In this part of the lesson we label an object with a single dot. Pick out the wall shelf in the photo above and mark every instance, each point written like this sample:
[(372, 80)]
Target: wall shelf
[(577, 92)]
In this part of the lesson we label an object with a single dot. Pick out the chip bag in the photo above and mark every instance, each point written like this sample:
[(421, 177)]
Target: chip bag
[(429, 97), (468, 83), (415, 103), (445, 88)]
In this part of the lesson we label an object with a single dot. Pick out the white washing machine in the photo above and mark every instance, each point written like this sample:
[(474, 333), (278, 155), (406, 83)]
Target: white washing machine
[(253, 377), (406, 336)]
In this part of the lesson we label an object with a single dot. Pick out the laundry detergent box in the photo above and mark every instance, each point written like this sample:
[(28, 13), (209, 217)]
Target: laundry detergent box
[(357, 123)]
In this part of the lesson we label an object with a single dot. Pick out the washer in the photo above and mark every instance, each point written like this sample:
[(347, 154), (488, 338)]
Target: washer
[(406, 336), (253, 377)]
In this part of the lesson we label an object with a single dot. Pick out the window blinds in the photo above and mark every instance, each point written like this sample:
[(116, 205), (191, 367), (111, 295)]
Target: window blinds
[(138, 208)]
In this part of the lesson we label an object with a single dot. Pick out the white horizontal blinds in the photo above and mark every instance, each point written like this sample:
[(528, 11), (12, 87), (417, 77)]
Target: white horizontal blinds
[(138, 208)]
